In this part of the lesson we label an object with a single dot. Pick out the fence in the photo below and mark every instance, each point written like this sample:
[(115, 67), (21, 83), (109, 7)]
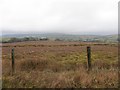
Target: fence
[(88, 59)]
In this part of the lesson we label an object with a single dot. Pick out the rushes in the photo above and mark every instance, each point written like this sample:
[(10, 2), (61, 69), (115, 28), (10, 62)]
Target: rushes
[(61, 67), (51, 74)]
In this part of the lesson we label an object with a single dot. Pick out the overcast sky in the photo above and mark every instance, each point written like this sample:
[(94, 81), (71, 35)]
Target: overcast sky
[(59, 16)]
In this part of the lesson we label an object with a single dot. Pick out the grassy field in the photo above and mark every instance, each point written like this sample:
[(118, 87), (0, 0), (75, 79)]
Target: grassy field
[(58, 64)]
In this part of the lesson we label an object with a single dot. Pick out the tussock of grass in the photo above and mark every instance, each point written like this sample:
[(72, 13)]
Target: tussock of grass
[(51, 74)]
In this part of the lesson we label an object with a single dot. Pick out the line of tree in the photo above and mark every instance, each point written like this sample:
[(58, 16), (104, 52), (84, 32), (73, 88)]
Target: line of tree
[(14, 39)]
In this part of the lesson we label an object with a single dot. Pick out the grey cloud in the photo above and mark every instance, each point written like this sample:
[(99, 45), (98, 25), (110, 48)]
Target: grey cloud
[(63, 16)]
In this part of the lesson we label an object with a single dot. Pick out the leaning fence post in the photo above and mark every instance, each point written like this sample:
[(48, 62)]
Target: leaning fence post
[(89, 57), (13, 61)]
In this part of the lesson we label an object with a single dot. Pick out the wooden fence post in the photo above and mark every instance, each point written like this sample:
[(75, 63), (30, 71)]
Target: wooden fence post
[(89, 57), (13, 61)]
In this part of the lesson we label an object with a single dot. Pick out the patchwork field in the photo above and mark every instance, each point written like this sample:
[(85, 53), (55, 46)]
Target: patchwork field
[(58, 64)]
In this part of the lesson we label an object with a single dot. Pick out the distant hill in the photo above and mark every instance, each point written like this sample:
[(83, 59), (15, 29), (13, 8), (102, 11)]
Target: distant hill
[(66, 37)]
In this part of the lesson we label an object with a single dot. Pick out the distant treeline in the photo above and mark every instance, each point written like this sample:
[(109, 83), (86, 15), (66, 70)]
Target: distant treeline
[(14, 39)]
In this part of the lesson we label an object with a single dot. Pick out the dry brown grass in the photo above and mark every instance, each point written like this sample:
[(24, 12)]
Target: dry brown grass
[(60, 65)]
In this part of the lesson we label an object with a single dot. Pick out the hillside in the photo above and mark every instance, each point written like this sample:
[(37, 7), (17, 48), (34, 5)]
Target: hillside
[(65, 37)]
